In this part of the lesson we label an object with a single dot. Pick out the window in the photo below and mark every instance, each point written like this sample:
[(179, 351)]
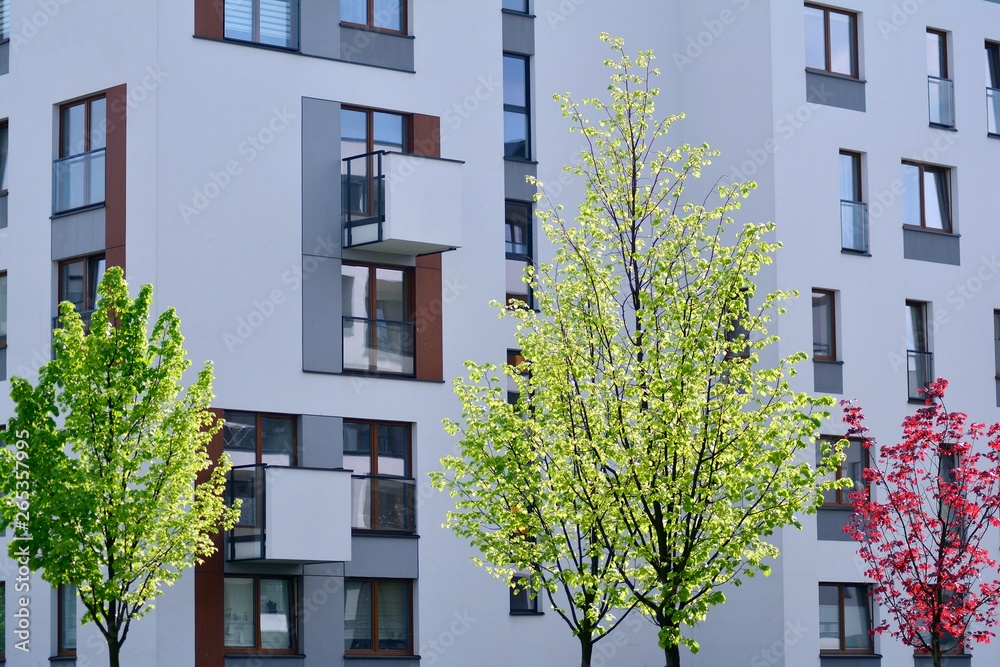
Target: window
[(940, 88), (518, 226), (363, 133), (78, 281), (270, 22), (824, 325), (382, 485), (845, 619), (3, 156), (926, 196), (378, 327), (851, 467), (516, 115), (3, 309), (831, 41), (996, 344), (254, 438), (378, 616), (67, 619), (4, 19), (519, 6), (3, 607), (259, 614), (853, 210), (515, 359), (523, 599), (388, 15), (993, 88), (919, 358), (79, 173)]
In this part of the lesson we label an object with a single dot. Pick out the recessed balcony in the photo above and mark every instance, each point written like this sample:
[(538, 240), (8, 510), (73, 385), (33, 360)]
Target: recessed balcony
[(941, 101), (854, 226), (78, 181), (300, 515), (401, 203)]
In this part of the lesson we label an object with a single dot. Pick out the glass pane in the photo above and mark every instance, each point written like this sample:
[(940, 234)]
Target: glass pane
[(353, 131), (275, 614), (515, 134), (239, 436), (520, 599), (911, 195), (515, 78), (856, 621), (388, 131), (239, 614), (853, 467), (393, 450), (996, 340), (992, 66), (916, 338), (822, 314), (393, 616), (95, 270), (71, 283), (516, 5), (388, 14), (277, 440), (361, 502), (515, 272), (3, 157), (395, 503), (936, 55), (815, 39), (849, 178), (67, 607), (936, 199), (358, 615), (276, 23), (355, 291), (94, 175), (390, 294), (354, 11), (72, 124), (4, 19), (98, 124), (829, 617), (516, 223), (3, 306), (239, 20), (358, 447), (829, 495), (842, 43)]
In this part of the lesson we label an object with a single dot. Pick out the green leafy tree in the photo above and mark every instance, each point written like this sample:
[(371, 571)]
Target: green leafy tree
[(678, 448), (101, 468)]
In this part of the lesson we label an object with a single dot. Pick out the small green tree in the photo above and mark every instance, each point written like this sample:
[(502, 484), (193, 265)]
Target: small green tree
[(677, 448), (100, 471)]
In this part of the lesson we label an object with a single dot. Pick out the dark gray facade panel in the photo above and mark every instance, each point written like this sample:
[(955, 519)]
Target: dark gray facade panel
[(848, 660), (3, 363), (828, 377), (519, 34), (365, 661), (3, 212), (78, 234), (379, 49), (830, 522), (321, 223), (387, 557), (929, 246), (835, 91), (322, 441), (514, 172), (319, 28), (321, 623), (946, 660), (998, 379), (4, 57), (272, 661), (322, 321)]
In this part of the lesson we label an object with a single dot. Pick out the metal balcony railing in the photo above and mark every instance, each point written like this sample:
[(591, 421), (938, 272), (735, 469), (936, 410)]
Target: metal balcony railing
[(363, 194), (78, 181), (941, 101), (383, 503), (379, 346), (919, 372), (993, 110), (854, 225)]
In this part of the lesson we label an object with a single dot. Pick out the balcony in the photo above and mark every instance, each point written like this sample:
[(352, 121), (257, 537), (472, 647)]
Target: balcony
[(300, 515), (78, 181), (993, 111), (919, 373), (941, 101), (854, 226), (401, 203), (383, 504), (379, 346)]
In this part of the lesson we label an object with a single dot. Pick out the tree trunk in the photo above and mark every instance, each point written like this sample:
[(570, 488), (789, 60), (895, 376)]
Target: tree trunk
[(673, 654), (586, 651), (936, 658), (113, 648)]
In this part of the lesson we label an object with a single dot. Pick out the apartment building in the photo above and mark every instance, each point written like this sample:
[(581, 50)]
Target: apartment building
[(330, 192)]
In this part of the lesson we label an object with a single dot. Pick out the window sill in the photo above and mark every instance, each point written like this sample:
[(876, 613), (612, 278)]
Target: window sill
[(834, 362), (522, 160), (992, 136), (856, 253), (360, 532), (63, 658), (380, 656), (381, 31), (514, 12), (265, 656), (527, 613), (835, 75), (938, 126), (850, 656), (928, 230), (78, 209)]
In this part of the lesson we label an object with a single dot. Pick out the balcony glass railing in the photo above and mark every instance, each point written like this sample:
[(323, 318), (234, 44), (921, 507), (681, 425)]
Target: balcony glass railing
[(383, 503), (246, 540), (78, 181), (919, 372), (363, 194), (941, 101), (85, 316), (379, 346), (993, 110), (854, 225)]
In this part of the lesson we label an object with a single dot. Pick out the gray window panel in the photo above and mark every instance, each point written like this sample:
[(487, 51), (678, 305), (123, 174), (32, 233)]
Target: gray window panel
[(929, 246), (4, 57), (835, 91), (3, 156), (828, 377), (830, 522), (378, 49)]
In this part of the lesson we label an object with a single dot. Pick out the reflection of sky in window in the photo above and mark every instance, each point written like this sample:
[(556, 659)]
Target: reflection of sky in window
[(935, 200), (815, 39), (841, 43), (514, 81), (911, 195)]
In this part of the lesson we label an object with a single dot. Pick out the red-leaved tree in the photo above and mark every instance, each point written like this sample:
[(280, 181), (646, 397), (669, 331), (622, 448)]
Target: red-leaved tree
[(934, 497)]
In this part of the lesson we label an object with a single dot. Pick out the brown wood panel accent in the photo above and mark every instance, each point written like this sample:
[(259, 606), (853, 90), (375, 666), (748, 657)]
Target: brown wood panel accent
[(427, 315), (114, 204), (209, 587), (425, 133), (209, 18)]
